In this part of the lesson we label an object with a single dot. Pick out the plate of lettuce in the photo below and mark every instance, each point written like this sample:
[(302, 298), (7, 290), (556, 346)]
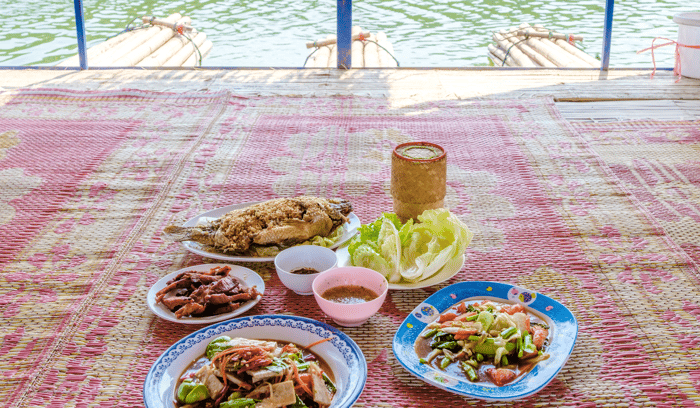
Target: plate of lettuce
[(411, 255)]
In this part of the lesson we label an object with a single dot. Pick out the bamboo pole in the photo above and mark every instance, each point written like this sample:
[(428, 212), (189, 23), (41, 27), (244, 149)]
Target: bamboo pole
[(193, 60), (329, 41), (550, 52), (494, 60), (167, 50), (548, 34), (185, 26), (578, 53), (501, 55), (97, 50), (125, 47), (386, 53), (185, 52), (333, 60), (563, 58), (323, 55), (537, 58), (147, 48), (371, 53), (357, 49), (518, 56)]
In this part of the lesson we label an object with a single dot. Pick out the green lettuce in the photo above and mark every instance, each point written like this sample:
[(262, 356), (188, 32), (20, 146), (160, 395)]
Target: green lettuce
[(413, 251)]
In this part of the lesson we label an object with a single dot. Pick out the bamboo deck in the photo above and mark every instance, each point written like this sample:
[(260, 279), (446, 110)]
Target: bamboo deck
[(157, 44), (369, 50), (584, 95)]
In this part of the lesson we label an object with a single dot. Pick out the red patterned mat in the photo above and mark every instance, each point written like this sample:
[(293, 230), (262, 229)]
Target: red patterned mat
[(89, 180)]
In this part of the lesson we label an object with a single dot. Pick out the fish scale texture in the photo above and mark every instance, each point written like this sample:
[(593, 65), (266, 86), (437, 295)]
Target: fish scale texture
[(90, 179)]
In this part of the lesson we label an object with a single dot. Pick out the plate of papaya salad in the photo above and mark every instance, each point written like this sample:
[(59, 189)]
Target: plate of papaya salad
[(487, 340)]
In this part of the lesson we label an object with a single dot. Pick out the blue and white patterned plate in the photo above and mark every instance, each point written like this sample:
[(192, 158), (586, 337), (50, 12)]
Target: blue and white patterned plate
[(342, 354), (563, 329)]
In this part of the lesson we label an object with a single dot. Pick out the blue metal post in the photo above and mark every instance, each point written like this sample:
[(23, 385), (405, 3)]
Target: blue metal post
[(80, 28), (607, 34), (344, 33)]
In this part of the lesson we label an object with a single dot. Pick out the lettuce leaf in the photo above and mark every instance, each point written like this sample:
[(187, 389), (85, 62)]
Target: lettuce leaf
[(413, 251)]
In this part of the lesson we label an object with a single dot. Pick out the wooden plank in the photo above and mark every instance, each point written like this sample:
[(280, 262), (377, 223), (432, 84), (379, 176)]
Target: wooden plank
[(402, 86), (615, 111)]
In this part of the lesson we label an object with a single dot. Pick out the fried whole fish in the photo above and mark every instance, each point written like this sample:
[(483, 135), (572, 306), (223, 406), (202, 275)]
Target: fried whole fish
[(282, 221)]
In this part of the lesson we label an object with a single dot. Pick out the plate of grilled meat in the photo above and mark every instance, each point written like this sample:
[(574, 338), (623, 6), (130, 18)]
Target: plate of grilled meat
[(206, 293), (257, 231)]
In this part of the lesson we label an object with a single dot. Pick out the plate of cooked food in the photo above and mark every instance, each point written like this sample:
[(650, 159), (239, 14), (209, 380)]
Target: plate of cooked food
[(410, 255), (206, 293), (257, 231), (486, 340), (266, 361)]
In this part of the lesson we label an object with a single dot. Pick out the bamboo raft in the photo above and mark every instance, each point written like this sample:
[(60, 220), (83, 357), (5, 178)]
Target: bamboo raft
[(169, 42), (369, 50), (536, 46)]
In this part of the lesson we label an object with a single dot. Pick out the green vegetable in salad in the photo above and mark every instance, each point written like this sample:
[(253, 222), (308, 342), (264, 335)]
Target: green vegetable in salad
[(191, 391), (240, 403), (413, 251), (217, 345)]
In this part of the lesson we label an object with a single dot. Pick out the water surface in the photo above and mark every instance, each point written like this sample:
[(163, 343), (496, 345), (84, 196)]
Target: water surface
[(261, 33)]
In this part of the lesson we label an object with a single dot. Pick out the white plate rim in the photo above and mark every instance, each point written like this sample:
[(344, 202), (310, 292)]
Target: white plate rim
[(350, 229), (247, 276), (563, 323), (158, 387), (442, 275)]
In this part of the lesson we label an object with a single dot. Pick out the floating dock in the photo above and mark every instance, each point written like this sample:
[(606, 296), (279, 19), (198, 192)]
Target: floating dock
[(536, 46), (369, 50), (169, 42)]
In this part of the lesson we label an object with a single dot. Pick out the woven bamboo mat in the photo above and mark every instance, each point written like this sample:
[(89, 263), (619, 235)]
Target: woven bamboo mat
[(89, 180)]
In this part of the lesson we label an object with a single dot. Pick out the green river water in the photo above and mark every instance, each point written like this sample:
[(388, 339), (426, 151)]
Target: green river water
[(272, 33)]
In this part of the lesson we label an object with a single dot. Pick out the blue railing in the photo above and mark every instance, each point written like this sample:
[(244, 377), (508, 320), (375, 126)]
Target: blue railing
[(344, 32)]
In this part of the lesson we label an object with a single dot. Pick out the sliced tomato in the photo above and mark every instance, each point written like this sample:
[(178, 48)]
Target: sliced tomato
[(500, 376)]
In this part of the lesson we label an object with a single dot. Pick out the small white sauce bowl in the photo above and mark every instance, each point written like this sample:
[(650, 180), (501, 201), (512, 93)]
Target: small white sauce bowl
[(350, 315), (303, 256)]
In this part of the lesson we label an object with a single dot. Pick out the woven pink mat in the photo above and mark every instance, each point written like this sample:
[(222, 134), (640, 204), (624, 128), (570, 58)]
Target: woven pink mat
[(90, 180), (659, 162)]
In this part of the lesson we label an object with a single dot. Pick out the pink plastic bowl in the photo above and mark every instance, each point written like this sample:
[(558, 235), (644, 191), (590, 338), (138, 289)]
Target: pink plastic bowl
[(350, 315)]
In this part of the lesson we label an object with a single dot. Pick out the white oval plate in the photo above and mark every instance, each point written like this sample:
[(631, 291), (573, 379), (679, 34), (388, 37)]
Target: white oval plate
[(346, 361), (450, 269), (247, 277), (561, 321), (199, 249)]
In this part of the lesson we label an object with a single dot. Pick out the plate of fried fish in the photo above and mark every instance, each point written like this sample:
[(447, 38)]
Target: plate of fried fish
[(257, 231)]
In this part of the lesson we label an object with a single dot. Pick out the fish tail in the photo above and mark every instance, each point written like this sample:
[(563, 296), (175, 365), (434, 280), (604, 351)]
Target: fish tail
[(178, 234)]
